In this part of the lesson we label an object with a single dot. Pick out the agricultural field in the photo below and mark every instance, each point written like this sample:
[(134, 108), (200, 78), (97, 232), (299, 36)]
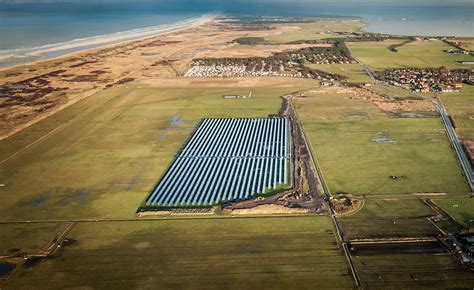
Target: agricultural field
[(389, 216), (468, 43), (359, 148), (461, 209), (226, 159), (17, 239), (416, 54), (460, 107), (229, 253), (100, 157), (315, 31), (382, 158), (353, 73), (410, 266)]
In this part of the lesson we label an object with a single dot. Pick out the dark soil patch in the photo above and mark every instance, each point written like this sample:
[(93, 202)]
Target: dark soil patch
[(396, 248)]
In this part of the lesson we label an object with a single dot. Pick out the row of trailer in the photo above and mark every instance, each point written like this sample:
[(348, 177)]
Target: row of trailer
[(226, 159)]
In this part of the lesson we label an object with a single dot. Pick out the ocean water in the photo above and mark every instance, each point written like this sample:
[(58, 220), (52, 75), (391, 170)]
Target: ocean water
[(26, 26)]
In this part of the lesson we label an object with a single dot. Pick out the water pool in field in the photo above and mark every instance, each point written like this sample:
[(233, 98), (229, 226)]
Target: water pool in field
[(5, 269)]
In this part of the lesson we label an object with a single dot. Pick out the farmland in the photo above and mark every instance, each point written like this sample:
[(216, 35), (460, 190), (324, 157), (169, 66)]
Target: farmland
[(183, 126), (342, 128), (416, 54), (352, 72), (382, 158), (254, 253), (226, 159), (315, 31), (410, 266), (460, 209), (103, 155)]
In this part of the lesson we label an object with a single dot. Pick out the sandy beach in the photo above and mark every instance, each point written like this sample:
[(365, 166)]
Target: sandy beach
[(35, 90), (22, 56)]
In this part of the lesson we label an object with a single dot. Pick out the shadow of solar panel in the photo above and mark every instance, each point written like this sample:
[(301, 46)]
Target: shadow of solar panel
[(226, 159)]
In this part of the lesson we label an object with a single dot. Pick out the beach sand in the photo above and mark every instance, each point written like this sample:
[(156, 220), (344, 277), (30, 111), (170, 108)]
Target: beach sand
[(31, 92)]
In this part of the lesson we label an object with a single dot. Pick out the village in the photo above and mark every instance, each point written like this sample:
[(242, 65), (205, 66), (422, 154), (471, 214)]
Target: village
[(428, 79)]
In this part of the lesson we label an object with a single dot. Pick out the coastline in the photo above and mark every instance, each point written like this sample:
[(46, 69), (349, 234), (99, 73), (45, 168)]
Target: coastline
[(115, 71), (51, 51)]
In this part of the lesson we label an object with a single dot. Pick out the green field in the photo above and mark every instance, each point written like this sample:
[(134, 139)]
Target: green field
[(18, 239), (101, 156), (341, 130), (460, 107), (382, 216), (239, 253), (461, 209), (315, 31), (415, 54), (353, 73), (410, 271)]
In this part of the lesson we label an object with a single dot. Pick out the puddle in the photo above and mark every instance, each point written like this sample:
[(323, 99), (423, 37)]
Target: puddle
[(5, 269), (383, 139), (39, 200)]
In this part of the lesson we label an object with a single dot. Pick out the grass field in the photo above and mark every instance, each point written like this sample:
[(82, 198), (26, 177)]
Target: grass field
[(382, 216), (105, 153), (415, 54), (407, 271), (460, 107), (20, 239), (352, 72), (240, 253), (315, 31), (341, 130), (461, 209)]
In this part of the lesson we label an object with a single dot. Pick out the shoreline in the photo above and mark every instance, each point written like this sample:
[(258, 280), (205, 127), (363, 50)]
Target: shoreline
[(87, 91), (33, 55)]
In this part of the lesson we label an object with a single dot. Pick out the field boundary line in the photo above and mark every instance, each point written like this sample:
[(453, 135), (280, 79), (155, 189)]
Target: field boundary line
[(327, 193)]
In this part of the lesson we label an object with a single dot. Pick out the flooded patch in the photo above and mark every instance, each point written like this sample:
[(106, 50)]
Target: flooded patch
[(5, 269), (176, 120), (383, 138), (40, 200), (73, 196)]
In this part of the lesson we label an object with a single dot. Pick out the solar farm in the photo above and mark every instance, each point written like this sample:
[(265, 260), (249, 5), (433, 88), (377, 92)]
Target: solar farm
[(224, 160)]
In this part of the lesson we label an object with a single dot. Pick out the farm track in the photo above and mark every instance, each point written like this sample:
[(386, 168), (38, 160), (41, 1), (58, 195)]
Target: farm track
[(315, 175)]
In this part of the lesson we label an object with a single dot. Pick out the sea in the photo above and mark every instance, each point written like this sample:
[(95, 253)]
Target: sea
[(28, 26)]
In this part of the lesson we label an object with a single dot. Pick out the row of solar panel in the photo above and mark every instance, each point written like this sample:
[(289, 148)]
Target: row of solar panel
[(226, 159)]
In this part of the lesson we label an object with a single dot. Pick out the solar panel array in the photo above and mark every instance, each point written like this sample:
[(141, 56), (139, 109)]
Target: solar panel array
[(226, 159)]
